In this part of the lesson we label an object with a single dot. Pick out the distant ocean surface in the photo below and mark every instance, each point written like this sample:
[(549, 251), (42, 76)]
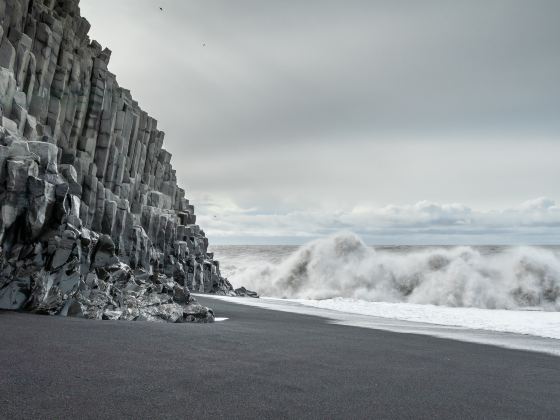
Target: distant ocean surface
[(343, 267)]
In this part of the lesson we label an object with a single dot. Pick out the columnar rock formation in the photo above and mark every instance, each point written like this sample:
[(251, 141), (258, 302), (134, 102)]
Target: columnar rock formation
[(92, 220)]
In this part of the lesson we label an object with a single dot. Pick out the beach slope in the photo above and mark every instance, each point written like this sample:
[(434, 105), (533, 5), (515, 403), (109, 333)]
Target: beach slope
[(261, 364)]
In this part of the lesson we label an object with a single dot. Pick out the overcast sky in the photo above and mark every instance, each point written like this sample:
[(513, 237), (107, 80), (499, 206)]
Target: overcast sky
[(429, 121)]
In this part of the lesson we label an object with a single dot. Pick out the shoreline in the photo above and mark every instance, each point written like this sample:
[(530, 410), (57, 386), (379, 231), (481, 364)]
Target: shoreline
[(507, 340), (261, 364)]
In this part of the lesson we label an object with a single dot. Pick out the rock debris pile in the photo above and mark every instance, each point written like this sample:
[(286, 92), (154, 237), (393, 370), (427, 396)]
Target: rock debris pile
[(92, 221)]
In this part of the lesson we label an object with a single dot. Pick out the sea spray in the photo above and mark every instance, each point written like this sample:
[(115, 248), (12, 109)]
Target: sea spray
[(344, 266)]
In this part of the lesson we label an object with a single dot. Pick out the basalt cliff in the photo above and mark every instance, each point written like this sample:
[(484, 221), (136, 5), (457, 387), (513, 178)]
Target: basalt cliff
[(92, 221)]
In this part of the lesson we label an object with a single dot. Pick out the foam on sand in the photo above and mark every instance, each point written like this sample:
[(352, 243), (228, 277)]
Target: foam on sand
[(521, 330)]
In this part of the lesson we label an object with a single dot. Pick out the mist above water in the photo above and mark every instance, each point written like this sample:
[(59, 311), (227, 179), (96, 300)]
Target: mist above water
[(344, 266)]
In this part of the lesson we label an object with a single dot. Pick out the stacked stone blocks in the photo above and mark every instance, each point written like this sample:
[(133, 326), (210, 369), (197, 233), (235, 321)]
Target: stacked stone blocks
[(78, 154)]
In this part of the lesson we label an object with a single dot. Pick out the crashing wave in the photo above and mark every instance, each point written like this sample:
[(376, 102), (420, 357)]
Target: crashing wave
[(344, 266)]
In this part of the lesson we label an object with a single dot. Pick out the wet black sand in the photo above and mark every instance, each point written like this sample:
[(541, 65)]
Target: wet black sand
[(260, 364)]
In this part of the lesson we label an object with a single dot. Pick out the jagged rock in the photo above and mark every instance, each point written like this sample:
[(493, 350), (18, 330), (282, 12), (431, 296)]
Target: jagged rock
[(92, 222), (73, 308), (64, 247), (41, 201), (104, 253), (246, 293), (13, 296), (194, 312), (47, 154), (17, 172)]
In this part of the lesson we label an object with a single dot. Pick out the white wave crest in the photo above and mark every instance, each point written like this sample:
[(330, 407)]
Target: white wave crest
[(343, 266)]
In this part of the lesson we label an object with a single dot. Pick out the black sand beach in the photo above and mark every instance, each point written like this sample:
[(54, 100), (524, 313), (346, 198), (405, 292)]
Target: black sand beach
[(260, 364)]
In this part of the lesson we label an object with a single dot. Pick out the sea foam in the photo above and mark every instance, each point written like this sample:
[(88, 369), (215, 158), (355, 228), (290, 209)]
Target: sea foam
[(343, 266)]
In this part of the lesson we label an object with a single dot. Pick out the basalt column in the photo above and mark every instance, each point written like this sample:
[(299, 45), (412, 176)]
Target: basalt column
[(92, 220)]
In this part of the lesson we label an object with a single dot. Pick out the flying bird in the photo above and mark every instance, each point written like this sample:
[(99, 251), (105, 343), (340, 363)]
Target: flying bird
[(161, 8)]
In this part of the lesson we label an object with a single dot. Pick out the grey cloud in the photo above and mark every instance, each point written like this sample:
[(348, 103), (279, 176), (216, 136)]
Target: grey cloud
[(283, 71), (433, 222), (323, 105)]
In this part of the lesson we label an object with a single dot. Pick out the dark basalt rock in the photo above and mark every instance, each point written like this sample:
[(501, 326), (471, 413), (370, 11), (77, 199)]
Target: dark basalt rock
[(92, 221), (246, 293)]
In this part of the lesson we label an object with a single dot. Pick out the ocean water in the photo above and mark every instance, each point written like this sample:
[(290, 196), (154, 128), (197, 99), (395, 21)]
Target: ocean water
[(343, 268)]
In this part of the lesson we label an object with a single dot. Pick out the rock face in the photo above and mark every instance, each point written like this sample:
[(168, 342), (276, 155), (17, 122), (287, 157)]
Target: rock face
[(92, 222), (246, 293)]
